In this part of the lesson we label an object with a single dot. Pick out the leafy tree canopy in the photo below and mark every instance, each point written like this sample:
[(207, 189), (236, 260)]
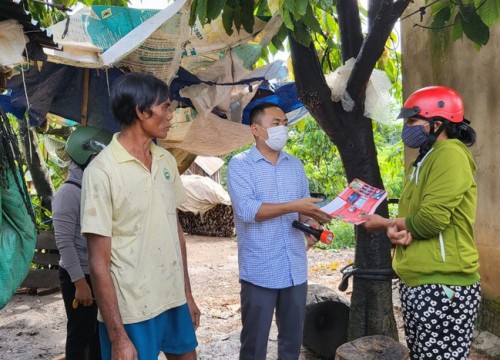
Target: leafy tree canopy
[(309, 20), (471, 18)]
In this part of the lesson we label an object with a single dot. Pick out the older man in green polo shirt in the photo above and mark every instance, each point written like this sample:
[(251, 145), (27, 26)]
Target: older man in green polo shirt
[(137, 251)]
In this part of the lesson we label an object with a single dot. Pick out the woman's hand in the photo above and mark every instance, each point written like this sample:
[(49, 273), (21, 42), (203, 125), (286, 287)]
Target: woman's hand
[(398, 237), (375, 222), (83, 294)]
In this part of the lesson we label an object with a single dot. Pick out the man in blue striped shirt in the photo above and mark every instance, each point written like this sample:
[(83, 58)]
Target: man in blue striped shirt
[(268, 190)]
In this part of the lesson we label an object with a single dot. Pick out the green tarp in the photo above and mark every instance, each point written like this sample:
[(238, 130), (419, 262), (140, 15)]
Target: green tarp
[(17, 229), (17, 239)]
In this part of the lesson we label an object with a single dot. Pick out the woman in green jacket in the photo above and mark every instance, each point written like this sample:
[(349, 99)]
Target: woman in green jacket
[(435, 256)]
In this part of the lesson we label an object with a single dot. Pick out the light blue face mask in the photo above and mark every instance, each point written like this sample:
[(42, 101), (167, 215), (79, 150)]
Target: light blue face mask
[(278, 136), (414, 136)]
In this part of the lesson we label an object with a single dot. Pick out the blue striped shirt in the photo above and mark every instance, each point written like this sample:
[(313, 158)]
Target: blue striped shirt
[(271, 253)]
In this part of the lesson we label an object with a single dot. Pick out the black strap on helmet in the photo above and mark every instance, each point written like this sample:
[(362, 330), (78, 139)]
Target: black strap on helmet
[(424, 149)]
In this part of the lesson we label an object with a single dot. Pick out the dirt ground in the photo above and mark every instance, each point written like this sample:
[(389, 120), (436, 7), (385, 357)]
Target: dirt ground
[(33, 326)]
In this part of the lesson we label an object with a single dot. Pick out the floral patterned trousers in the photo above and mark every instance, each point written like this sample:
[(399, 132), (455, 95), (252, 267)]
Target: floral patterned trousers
[(439, 319)]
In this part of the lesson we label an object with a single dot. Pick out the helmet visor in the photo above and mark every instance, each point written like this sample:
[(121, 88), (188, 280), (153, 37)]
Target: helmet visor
[(408, 112), (93, 145)]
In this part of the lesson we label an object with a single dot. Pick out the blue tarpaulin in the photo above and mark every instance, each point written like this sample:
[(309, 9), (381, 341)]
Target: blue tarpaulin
[(284, 96)]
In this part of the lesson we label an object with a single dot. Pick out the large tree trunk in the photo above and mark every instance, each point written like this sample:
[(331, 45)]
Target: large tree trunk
[(371, 302), (36, 165)]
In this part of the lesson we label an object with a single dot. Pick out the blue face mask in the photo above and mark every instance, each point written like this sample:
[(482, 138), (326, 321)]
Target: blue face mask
[(414, 136)]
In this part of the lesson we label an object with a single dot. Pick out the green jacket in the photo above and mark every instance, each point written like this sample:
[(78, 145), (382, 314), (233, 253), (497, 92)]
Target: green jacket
[(439, 204)]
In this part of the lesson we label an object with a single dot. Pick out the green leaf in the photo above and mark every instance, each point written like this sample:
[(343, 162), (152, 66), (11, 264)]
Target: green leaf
[(265, 56), (441, 18), (272, 49), (457, 31), (215, 8), (391, 71), (237, 17), (247, 18), (262, 9), (331, 24), (290, 6), (227, 19), (474, 28), (301, 34), (67, 3), (301, 7), (123, 3), (437, 6), (201, 9), (192, 12), (489, 11), (310, 20), (280, 37), (287, 19), (325, 5), (301, 125)]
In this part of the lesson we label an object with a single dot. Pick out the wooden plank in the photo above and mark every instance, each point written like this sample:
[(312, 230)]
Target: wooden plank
[(45, 255), (46, 259), (46, 240), (38, 278)]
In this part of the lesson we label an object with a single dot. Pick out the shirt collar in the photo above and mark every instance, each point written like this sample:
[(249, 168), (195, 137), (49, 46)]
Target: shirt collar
[(256, 155), (122, 155)]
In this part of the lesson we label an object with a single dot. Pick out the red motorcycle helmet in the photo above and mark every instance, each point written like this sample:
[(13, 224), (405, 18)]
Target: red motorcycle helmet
[(434, 101)]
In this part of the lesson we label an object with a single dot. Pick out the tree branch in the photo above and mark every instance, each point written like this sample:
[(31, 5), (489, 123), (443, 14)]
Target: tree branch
[(373, 8), (312, 89), (373, 47), (351, 35), (309, 77)]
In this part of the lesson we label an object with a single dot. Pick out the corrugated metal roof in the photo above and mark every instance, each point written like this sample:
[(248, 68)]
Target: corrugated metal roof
[(38, 37)]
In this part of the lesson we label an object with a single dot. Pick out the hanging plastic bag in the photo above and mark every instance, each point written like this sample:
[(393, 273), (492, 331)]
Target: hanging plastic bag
[(377, 100)]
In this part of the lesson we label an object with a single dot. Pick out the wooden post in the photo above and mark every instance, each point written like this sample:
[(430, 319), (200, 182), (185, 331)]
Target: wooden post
[(376, 347)]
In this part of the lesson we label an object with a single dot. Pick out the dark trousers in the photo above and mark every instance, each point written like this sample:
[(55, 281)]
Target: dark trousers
[(82, 334), (257, 309)]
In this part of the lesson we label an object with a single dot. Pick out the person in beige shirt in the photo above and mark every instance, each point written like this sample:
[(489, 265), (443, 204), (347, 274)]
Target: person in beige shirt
[(137, 251)]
